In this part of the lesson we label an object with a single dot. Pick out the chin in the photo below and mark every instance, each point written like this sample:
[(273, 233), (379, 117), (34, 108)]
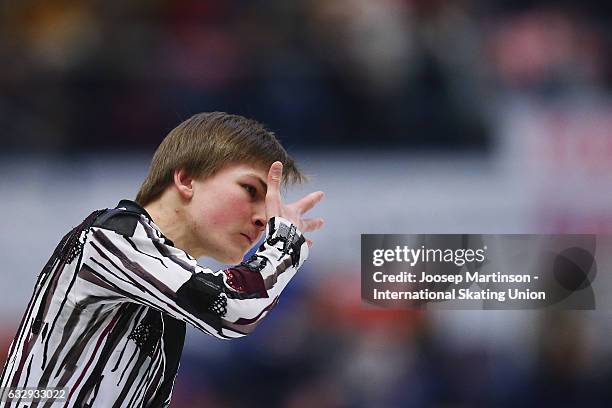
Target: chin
[(230, 252)]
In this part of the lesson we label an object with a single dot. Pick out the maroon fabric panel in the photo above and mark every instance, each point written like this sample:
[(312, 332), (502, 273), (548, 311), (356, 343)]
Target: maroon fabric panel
[(244, 280)]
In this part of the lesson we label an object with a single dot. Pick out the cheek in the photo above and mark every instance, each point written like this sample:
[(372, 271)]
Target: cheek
[(229, 210)]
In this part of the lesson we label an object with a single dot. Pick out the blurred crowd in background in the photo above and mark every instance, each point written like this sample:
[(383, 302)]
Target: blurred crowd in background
[(391, 73), (432, 78)]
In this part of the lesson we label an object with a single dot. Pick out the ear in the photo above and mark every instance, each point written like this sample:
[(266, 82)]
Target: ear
[(183, 183)]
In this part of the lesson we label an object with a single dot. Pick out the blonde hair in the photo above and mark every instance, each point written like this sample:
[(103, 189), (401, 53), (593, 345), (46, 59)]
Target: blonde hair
[(205, 143)]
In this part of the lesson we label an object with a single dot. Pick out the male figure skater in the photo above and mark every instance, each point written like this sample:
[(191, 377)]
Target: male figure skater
[(106, 323)]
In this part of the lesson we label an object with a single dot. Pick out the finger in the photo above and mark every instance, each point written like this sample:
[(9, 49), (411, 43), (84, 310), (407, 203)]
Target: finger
[(306, 203), (312, 224), (309, 242), (273, 199)]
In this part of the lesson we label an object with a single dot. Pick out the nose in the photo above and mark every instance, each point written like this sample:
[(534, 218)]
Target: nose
[(259, 217)]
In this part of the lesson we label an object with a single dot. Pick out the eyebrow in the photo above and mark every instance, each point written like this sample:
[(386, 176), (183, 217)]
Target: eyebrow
[(264, 186)]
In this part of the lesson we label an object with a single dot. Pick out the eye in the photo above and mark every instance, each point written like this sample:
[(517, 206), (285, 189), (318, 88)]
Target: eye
[(250, 189)]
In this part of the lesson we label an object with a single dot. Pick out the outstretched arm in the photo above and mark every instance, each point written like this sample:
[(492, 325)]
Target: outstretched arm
[(145, 269)]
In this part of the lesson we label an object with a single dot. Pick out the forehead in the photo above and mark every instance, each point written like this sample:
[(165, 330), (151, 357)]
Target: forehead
[(244, 170)]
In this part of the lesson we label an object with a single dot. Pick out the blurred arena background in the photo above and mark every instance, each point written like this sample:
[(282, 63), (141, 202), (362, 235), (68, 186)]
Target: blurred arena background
[(415, 116)]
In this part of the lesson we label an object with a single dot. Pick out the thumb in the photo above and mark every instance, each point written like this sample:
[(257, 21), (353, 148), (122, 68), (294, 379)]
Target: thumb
[(273, 198)]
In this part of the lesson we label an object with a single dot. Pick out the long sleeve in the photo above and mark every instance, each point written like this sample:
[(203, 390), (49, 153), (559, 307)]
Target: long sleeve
[(139, 265)]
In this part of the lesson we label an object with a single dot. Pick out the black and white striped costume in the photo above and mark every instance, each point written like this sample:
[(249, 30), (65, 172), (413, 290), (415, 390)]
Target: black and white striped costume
[(108, 313)]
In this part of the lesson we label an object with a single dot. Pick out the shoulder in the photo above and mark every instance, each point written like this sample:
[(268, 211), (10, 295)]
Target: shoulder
[(129, 219), (121, 221)]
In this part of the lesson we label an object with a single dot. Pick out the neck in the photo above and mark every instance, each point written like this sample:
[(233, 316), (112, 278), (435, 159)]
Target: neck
[(171, 220)]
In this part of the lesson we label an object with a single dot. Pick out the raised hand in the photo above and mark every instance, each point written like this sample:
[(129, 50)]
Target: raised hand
[(294, 211)]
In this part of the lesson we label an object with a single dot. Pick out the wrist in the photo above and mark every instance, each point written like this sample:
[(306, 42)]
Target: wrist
[(288, 239)]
